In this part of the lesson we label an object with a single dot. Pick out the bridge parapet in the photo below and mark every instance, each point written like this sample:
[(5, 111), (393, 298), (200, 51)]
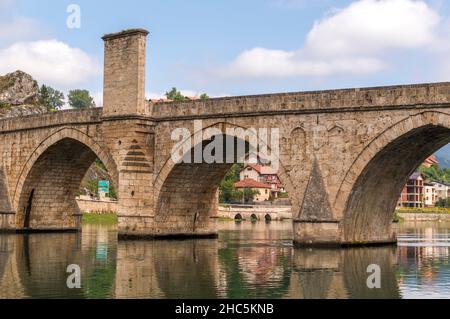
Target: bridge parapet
[(67, 117), (310, 102)]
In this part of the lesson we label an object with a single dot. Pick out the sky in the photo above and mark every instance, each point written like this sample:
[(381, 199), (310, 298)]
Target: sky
[(227, 48)]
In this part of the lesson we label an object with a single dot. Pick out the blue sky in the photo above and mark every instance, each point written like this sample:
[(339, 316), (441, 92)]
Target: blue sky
[(234, 47)]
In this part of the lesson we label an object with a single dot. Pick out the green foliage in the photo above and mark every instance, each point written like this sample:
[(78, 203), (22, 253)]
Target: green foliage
[(283, 195), (49, 97), (175, 95), (103, 219), (227, 192), (81, 99), (435, 173), (247, 194), (443, 203), (204, 96), (93, 186), (5, 83), (424, 210), (100, 165), (398, 218), (4, 106), (112, 192)]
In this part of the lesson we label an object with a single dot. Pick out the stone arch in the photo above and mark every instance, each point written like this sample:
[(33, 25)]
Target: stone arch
[(169, 164), (61, 160), (370, 189), (187, 193)]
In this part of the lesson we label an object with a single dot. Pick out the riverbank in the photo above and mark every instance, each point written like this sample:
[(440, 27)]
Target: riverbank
[(424, 214), (100, 219)]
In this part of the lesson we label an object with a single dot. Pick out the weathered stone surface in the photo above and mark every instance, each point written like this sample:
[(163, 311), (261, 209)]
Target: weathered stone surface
[(18, 88), (316, 205), (19, 95)]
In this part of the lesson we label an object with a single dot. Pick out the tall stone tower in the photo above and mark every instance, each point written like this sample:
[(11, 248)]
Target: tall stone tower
[(127, 129), (124, 73)]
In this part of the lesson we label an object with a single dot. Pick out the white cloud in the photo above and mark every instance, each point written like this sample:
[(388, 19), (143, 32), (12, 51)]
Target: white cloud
[(50, 61), (352, 40), (373, 26), (260, 62)]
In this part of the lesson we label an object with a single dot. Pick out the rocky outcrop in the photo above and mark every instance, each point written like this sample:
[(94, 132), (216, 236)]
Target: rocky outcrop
[(18, 88), (19, 95), (21, 110)]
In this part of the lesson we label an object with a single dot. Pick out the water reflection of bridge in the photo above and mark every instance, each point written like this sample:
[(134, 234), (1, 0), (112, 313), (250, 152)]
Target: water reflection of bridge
[(35, 266), (204, 269)]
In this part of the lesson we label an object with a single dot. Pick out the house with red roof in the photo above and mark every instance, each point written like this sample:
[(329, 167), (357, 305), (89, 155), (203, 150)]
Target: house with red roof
[(262, 190), (264, 175), (431, 161)]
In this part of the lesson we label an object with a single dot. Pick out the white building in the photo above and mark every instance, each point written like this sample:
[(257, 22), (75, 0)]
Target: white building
[(442, 190), (430, 196)]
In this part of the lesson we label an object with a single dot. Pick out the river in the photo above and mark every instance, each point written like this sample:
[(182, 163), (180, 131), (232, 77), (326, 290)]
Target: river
[(249, 260)]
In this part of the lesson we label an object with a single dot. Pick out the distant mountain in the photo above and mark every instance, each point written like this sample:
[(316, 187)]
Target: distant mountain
[(443, 156)]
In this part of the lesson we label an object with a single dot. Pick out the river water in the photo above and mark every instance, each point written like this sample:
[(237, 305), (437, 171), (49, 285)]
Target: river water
[(249, 260)]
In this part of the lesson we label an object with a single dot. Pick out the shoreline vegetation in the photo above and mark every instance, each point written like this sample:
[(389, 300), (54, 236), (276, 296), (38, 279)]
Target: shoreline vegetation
[(426, 210), (100, 218), (111, 218)]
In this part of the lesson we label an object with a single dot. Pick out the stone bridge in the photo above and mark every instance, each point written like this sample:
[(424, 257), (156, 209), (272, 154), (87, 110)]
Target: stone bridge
[(255, 212), (344, 154)]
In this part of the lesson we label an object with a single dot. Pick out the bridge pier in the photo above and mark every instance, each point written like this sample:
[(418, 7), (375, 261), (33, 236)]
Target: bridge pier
[(329, 233)]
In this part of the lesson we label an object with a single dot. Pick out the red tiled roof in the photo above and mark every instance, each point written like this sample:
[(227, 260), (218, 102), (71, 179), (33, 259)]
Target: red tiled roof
[(432, 160), (251, 183), (256, 167)]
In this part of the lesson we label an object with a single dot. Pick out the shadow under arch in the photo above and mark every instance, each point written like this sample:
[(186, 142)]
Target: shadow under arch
[(49, 182), (186, 192), (374, 182)]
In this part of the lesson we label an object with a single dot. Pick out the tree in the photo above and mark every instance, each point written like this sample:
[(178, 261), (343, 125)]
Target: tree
[(51, 98), (81, 99), (443, 203), (247, 195), (175, 95), (227, 192), (435, 174), (204, 96)]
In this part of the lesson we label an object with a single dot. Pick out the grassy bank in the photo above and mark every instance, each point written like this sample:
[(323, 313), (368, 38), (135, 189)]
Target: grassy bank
[(104, 219), (427, 210)]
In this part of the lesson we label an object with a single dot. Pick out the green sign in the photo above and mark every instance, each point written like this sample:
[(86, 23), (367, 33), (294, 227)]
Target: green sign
[(103, 187)]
